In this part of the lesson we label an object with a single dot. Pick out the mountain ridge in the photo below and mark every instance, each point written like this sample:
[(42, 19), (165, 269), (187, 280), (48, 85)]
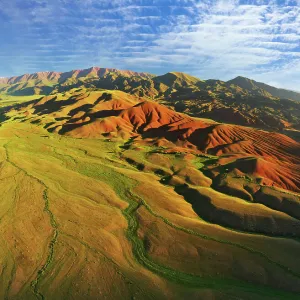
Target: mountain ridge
[(240, 81), (54, 75), (274, 91), (241, 101)]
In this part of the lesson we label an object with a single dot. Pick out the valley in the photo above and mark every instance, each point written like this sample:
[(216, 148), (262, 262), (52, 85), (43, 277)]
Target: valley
[(113, 194)]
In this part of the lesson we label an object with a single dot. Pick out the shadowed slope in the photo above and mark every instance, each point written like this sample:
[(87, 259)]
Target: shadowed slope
[(260, 87)]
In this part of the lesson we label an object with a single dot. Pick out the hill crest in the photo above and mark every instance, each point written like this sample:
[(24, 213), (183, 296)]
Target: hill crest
[(251, 85), (61, 76)]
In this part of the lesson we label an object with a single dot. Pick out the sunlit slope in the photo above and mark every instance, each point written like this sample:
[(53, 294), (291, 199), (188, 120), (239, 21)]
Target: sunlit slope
[(240, 101), (80, 219), (47, 82)]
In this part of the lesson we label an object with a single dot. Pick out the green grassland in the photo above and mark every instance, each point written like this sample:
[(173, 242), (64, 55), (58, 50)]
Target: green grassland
[(99, 219)]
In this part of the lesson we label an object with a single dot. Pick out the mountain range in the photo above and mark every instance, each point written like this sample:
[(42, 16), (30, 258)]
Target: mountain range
[(45, 79), (239, 101)]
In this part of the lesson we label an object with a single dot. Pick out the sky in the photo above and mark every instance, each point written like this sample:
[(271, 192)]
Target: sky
[(259, 39)]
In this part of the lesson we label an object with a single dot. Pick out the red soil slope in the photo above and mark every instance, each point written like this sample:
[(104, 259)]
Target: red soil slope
[(275, 157)]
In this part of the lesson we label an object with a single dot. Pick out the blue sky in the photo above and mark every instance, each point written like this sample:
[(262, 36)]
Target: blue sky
[(209, 39)]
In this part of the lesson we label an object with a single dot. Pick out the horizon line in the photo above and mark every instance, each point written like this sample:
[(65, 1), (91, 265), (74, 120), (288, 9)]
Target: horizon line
[(128, 70)]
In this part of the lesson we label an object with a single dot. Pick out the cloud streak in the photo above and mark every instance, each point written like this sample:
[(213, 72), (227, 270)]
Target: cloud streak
[(209, 39)]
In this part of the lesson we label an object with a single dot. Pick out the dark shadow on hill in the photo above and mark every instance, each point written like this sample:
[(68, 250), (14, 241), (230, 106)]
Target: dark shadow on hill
[(71, 126), (162, 132), (85, 108), (104, 114), (3, 117), (104, 97), (205, 209), (6, 109), (52, 105), (93, 117)]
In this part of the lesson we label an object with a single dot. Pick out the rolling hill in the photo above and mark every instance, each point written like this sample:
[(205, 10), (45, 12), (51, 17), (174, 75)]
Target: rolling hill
[(110, 190)]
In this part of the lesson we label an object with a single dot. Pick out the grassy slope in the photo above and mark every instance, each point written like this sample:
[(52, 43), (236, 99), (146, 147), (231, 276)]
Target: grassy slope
[(77, 220)]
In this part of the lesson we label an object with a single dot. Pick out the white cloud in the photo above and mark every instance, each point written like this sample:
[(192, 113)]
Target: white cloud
[(233, 39), (209, 38)]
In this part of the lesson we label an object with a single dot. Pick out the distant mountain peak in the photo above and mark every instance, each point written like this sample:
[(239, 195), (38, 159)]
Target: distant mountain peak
[(59, 77), (252, 85), (177, 78), (141, 83)]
